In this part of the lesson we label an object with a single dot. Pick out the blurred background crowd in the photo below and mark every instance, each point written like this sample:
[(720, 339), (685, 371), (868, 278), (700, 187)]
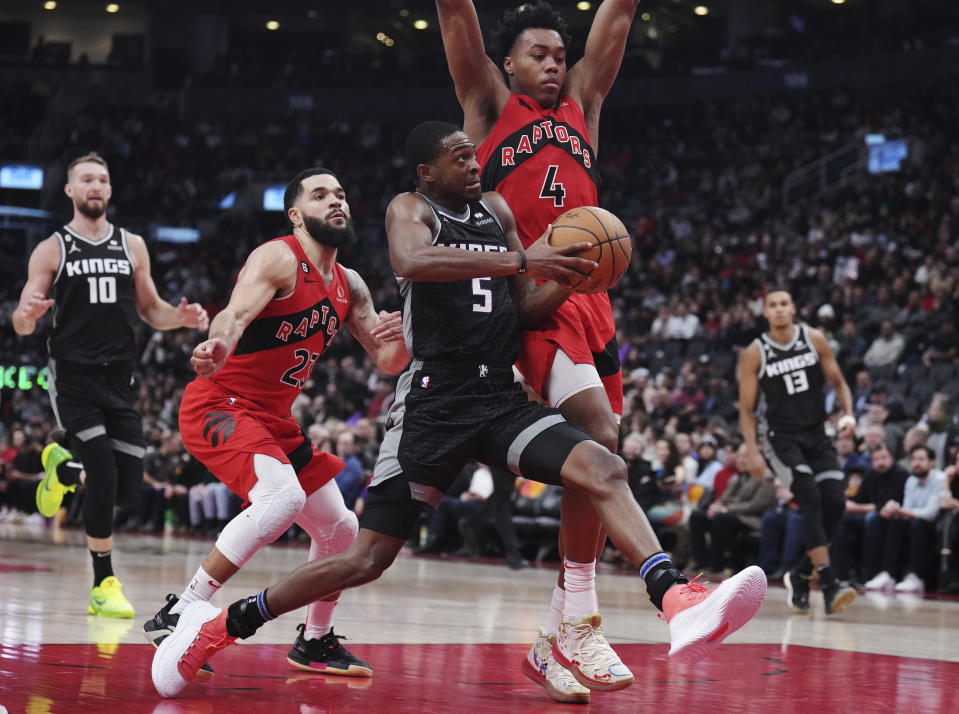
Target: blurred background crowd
[(870, 255)]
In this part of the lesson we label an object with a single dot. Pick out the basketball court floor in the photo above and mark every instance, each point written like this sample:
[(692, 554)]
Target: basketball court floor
[(447, 636)]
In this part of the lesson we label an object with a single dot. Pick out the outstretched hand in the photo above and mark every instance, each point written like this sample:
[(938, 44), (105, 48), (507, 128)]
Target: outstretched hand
[(558, 263), (389, 328), (192, 315), (209, 357), (35, 306)]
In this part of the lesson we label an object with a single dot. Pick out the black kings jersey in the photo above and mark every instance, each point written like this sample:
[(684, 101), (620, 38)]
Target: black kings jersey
[(463, 320), (95, 300), (791, 383)]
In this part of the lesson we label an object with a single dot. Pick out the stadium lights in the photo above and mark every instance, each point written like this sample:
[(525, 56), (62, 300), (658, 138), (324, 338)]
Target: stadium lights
[(421, 24), (384, 38), (701, 10), (50, 5), (838, 2), (584, 6), (272, 25), (112, 8), (404, 12), (645, 17)]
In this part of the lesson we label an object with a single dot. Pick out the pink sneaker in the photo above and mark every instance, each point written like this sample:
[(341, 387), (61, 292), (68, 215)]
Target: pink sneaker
[(200, 633), (700, 619)]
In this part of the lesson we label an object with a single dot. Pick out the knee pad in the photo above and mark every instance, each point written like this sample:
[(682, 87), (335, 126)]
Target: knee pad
[(275, 502), (335, 539)]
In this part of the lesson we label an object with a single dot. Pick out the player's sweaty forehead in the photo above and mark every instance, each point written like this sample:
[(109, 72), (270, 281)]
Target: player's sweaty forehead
[(457, 141)]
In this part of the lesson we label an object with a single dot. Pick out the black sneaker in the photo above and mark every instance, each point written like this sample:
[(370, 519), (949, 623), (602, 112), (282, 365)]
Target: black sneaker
[(797, 591), (838, 597), (162, 626), (326, 656)]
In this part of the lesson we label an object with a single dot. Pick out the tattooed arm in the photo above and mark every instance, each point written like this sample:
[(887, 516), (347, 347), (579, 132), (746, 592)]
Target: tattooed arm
[(380, 334)]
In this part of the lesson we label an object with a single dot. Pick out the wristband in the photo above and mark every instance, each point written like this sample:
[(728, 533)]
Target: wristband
[(522, 262)]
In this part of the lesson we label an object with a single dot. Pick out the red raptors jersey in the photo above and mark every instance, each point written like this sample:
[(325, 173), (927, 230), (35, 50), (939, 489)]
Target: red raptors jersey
[(541, 161), (278, 350)]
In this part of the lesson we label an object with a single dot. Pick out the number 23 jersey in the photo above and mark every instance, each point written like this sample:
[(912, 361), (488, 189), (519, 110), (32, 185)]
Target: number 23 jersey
[(277, 351)]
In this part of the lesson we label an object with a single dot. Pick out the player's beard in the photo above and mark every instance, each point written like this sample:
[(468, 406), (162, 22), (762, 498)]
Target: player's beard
[(91, 211), (328, 235)]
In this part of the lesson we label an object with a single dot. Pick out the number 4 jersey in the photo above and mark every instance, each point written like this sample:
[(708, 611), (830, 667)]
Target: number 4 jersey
[(277, 351), (94, 312), (791, 382)]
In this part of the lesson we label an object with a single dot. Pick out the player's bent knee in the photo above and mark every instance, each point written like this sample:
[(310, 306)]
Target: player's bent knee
[(279, 511), (593, 468)]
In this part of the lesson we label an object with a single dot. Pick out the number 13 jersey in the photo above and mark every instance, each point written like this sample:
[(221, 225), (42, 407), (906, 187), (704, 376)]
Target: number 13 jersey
[(791, 381), (277, 351)]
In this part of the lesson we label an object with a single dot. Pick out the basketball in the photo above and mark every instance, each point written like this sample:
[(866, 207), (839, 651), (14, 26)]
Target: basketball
[(612, 248)]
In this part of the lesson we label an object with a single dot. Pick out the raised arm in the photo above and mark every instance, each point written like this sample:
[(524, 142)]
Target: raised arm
[(269, 271), (154, 310), (381, 335), (479, 86), (832, 373), (43, 265), (749, 361), (591, 78), (409, 229)]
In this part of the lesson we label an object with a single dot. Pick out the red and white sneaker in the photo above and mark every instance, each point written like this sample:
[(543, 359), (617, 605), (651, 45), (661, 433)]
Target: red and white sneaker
[(582, 649), (700, 619), (200, 633), (559, 683)]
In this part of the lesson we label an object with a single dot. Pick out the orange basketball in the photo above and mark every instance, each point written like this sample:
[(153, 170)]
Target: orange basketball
[(612, 248)]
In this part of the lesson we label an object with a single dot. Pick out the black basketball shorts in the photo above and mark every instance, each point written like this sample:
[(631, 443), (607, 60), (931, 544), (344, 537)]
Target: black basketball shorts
[(446, 415), (808, 451), (91, 400)]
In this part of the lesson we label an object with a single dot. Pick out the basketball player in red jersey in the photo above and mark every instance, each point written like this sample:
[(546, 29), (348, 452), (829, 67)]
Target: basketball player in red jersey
[(537, 134), (289, 302)]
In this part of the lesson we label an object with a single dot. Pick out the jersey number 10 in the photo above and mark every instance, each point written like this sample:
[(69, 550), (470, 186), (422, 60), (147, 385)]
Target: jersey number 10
[(102, 290)]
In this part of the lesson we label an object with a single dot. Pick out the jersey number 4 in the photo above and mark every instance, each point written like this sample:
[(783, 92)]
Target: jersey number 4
[(297, 375), (552, 188)]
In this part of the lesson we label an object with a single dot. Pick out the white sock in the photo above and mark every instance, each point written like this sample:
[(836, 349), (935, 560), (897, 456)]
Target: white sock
[(555, 610), (580, 590), (202, 587), (319, 619)]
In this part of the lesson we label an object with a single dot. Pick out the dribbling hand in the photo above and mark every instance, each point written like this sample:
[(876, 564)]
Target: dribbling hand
[(390, 327), (209, 357), (34, 307), (558, 263)]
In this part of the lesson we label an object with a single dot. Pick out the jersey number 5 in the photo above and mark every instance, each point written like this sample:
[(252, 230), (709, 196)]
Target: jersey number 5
[(552, 188)]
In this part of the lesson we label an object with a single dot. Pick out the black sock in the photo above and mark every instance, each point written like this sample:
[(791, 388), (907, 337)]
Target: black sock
[(804, 569), (827, 578), (246, 616), (68, 473), (102, 566), (660, 575)]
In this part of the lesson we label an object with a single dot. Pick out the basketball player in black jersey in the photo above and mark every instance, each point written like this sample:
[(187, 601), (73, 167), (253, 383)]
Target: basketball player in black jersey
[(787, 369), (98, 278), (461, 269)]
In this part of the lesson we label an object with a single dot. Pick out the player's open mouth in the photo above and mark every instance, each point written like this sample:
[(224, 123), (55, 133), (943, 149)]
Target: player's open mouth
[(473, 186), (336, 214)]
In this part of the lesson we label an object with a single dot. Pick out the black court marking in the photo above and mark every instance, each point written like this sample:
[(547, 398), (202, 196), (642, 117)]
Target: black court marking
[(774, 672), (74, 666), (686, 681), (775, 659)]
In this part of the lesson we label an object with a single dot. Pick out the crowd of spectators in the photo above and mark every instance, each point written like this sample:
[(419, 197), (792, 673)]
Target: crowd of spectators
[(874, 264)]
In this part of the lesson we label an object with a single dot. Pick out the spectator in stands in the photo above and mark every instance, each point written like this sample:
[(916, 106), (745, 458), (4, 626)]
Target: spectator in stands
[(709, 463), (684, 445), (948, 528), (851, 345), (849, 457), (863, 526), (161, 487), (942, 430), (682, 324), (886, 348), (442, 529), (781, 535), (712, 531), (909, 526), (352, 478)]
